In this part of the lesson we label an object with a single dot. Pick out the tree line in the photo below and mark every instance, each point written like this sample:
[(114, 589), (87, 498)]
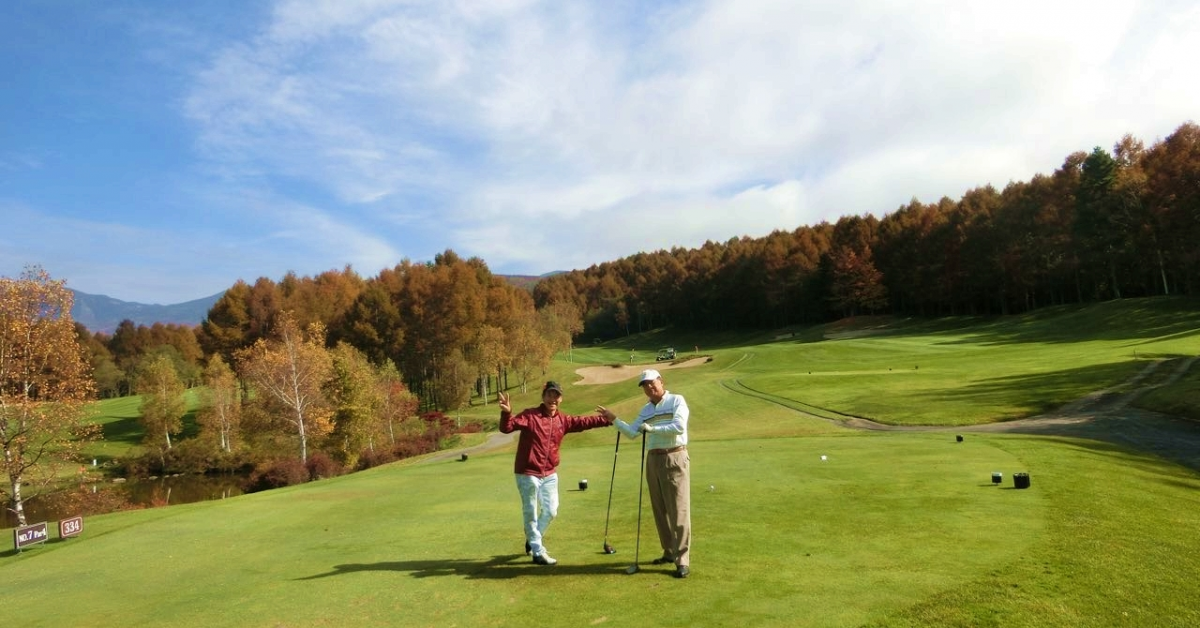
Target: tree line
[(1104, 225)]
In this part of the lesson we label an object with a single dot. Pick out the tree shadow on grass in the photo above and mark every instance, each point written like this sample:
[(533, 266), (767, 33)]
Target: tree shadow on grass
[(126, 430), (1138, 455), (496, 568)]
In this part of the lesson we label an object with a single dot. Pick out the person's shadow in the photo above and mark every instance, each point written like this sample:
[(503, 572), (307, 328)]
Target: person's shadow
[(497, 567)]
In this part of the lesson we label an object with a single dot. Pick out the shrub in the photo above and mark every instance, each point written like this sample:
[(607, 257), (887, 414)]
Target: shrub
[(374, 459), (277, 474), (473, 427), (415, 446), (189, 456), (320, 465), (141, 466), (438, 420)]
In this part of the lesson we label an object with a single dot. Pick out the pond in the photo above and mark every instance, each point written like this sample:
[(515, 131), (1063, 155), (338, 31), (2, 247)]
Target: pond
[(148, 493)]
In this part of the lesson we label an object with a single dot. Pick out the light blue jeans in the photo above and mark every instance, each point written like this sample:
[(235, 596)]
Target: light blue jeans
[(539, 506)]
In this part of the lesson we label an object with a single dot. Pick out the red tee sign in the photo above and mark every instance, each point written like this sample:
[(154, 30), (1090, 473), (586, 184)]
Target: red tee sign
[(70, 527), (30, 535)]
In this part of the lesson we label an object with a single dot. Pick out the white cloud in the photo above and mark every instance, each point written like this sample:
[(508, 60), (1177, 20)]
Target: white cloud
[(597, 129)]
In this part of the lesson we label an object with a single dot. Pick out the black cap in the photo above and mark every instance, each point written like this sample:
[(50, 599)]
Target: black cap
[(552, 385)]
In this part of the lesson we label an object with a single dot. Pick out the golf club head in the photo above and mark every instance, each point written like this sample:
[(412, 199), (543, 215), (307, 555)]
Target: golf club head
[(608, 549), (632, 569)]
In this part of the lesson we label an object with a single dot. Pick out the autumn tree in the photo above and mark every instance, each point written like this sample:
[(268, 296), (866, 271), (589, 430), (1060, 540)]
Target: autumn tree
[(535, 337), (44, 386), (559, 323), (325, 298), (453, 381), (491, 355), (857, 285), (220, 411), (397, 403), (163, 405), (357, 421), (529, 350), (290, 371), (226, 328), (127, 347), (1172, 169), (373, 323), (108, 378)]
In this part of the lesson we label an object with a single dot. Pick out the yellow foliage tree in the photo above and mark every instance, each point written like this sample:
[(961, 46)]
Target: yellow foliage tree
[(358, 422), (163, 405), (45, 386), (220, 414), (398, 402), (290, 371)]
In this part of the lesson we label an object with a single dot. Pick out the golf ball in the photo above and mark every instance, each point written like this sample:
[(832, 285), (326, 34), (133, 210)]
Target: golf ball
[(823, 457), (712, 487)]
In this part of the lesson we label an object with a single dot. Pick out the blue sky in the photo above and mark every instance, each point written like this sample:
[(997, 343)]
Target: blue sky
[(159, 151)]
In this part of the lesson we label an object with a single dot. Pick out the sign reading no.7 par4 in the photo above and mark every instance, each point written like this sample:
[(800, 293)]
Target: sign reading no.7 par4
[(30, 535)]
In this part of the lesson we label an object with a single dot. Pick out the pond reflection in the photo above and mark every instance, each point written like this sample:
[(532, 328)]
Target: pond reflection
[(99, 498)]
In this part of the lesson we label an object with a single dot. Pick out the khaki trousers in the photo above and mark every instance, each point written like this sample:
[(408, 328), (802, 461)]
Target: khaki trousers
[(669, 481)]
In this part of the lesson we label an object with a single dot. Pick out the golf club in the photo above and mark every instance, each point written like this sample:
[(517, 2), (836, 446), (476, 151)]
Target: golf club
[(637, 546), (609, 549)]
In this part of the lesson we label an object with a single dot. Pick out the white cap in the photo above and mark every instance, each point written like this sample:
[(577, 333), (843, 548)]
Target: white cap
[(648, 375)]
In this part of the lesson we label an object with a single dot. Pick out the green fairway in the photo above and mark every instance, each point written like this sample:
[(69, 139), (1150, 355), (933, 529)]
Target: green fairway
[(899, 528)]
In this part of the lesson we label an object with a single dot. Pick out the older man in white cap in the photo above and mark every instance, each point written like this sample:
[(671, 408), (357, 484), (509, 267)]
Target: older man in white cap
[(664, 420)]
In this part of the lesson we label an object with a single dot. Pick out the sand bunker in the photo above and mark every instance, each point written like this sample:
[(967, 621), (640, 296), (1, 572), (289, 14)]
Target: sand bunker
[(614, 374)]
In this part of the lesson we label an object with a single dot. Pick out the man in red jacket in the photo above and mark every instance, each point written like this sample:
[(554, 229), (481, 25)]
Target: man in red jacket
[(536, 465)]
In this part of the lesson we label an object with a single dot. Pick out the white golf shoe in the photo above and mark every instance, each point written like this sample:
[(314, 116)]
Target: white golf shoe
[(544, 559)]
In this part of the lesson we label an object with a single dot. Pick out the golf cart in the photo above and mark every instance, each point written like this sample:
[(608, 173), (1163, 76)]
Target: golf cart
[(665, 354)]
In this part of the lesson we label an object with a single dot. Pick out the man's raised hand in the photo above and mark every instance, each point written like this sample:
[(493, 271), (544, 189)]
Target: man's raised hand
[(503, 399)]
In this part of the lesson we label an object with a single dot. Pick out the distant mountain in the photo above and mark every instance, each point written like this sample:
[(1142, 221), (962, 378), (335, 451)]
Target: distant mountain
[(100, 313), (529, 281)]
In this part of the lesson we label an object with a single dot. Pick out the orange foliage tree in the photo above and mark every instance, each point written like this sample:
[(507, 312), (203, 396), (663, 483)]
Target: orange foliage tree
[(45, 386)]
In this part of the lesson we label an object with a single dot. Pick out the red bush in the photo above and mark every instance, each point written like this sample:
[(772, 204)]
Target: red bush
[(320, 465), (473, 427), (278, 474), (374, 459), (415, 446)]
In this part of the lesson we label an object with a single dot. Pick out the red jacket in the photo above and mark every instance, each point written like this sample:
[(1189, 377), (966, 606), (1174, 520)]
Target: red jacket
[(541, 435)]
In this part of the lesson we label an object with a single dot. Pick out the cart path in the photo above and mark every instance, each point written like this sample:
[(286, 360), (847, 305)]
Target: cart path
[(1103, 416), (495, 440), (1111, 418)]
